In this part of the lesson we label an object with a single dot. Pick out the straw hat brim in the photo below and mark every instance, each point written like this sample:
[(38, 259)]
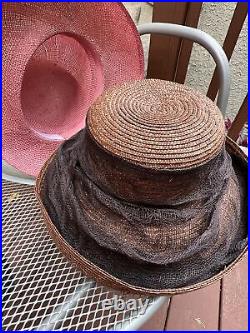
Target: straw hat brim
[(106, 27), (105, 277)]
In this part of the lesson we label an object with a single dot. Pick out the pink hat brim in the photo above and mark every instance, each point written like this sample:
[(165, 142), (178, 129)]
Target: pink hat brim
[(57, 58)]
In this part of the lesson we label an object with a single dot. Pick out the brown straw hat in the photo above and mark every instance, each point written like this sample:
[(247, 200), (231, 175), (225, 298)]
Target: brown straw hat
[(151, 196)]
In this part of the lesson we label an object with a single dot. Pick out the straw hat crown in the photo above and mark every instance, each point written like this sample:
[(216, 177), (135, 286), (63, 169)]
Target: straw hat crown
[(157, 124)]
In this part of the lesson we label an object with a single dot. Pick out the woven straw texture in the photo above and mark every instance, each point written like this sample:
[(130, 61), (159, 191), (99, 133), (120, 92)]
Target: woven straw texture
[(57, 58), (153, 229), (158, 124)]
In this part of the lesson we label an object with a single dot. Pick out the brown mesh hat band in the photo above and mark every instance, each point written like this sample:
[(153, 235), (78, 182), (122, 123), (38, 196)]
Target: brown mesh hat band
[(177, 240), (140, 185)]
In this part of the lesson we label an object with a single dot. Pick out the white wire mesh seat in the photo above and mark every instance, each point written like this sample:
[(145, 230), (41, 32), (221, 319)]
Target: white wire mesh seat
[(41, 290)]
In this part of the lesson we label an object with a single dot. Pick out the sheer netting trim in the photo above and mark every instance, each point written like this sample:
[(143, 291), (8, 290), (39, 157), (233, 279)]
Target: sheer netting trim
[(203, 229)]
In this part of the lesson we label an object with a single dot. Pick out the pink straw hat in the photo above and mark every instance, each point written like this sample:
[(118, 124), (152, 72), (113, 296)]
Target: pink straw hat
[(57, 58)]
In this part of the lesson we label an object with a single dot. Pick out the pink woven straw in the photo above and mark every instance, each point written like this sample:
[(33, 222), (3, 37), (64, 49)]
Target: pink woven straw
[(57, 58)]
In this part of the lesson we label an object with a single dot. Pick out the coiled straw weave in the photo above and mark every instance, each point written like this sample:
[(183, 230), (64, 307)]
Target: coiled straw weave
[(158, 124)]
